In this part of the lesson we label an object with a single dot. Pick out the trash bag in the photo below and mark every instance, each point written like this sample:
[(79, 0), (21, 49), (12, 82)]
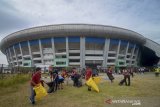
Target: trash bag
[(97, 80), (121, 82), (79, 84), (40, 92), (51, 86), (110, 76), (92, 84)]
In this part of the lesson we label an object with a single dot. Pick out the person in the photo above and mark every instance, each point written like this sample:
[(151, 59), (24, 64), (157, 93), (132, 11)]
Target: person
[(131, 71), (126, 77), (53, 85), (65, 75), (83, 72), (55, 79), (88, 75), (94, 72), (109, 74), (76, 79), (35, 81), (60, 82), (157, 70), (72, 75), (50, 69)]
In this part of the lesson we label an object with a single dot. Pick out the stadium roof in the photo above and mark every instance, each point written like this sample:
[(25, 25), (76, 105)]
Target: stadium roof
[(71, 30)]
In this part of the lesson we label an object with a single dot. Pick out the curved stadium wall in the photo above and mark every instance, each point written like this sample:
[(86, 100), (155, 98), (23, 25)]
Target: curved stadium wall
[(77, 45)]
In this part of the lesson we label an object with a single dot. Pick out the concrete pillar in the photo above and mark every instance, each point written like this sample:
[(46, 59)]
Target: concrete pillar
[(7, 56), (40, 48), (138, 56), (82, 52), (132, 53), (15, 55), (67, 50), (29, 48), (53, 49), (20, 47), (126, 52), (106, 49), (11, 57), (119, 44)]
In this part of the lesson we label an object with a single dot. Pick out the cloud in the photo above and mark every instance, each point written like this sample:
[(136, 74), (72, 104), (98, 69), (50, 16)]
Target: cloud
[(9, 22), (141, 16), (10, 18)]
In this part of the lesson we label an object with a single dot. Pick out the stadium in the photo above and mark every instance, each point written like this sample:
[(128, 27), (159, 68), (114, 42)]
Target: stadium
[(79, 45)]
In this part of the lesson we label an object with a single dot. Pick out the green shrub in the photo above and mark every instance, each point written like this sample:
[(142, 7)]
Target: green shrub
[(23, 69), (14, 80)]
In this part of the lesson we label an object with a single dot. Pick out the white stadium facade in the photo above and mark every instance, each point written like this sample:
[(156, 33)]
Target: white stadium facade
[(79, 45)]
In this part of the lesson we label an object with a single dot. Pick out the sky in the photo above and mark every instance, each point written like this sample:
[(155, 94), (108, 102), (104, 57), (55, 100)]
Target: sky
[(142, 16)]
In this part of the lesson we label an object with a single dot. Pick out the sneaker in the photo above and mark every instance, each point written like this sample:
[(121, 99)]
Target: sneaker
[(89, 89), (33, 102)]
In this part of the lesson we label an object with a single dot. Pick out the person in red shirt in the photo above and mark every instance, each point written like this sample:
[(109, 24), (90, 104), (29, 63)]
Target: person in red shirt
[(35, 81), (88, 75), (109, 74)]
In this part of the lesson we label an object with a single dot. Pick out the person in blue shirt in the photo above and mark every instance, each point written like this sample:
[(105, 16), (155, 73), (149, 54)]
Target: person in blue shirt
[(60, 81)]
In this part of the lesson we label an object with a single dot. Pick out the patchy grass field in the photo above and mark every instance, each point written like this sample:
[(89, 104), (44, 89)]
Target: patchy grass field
[(145, 88)]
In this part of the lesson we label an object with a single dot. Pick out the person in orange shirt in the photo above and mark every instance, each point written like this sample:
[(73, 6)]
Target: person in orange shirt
[(64, 73)]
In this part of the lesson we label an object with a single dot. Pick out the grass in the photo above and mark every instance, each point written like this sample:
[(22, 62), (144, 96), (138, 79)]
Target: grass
[(11, 82), (144, 87)]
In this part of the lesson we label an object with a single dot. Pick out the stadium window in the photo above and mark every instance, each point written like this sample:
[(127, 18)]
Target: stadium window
[(60, 63)]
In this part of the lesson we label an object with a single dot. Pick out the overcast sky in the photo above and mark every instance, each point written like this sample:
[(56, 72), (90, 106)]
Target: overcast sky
[(142, 16)]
